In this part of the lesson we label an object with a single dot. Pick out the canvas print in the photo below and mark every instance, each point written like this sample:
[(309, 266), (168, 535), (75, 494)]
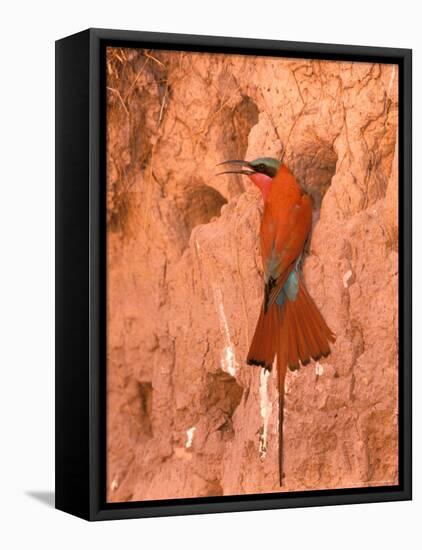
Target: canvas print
[(252, 274)]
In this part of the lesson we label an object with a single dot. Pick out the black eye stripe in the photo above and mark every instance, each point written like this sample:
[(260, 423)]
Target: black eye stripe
[(268, 169)]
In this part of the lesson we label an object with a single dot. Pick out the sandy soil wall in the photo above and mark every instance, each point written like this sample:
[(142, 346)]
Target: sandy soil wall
[(186, 416)]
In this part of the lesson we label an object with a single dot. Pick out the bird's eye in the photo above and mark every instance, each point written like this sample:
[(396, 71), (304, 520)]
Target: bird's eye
[(262, 167)]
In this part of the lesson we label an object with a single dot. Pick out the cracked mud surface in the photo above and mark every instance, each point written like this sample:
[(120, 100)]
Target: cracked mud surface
[(186, 416)]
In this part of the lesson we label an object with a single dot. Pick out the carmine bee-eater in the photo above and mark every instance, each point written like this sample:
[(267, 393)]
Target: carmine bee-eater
[(290, 325)]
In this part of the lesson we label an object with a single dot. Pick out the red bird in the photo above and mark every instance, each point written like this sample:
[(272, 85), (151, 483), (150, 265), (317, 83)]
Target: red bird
[(289, 325)]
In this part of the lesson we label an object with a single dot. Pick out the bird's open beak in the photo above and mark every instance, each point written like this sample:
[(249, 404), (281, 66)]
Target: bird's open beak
[(240, 163)]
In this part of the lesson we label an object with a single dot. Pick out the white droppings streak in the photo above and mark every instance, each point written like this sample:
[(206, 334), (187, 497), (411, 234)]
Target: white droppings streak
[(346, 278), (228, 358), (114, 484), (189, 436), (265, 409), (319, 369)]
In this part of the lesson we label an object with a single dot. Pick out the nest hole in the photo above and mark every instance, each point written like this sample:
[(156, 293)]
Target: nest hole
[(314, 165), (201, 205), (145, 409), (223, 392)]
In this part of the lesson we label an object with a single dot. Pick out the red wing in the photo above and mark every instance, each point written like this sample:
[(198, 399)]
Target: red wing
[(283, 234)]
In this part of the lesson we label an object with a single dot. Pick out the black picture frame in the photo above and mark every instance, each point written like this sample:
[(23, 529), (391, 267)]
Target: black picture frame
[(80, 274)]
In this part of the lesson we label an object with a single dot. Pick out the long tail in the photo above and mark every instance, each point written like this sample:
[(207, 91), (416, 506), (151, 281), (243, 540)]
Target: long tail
[(297, 333)]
